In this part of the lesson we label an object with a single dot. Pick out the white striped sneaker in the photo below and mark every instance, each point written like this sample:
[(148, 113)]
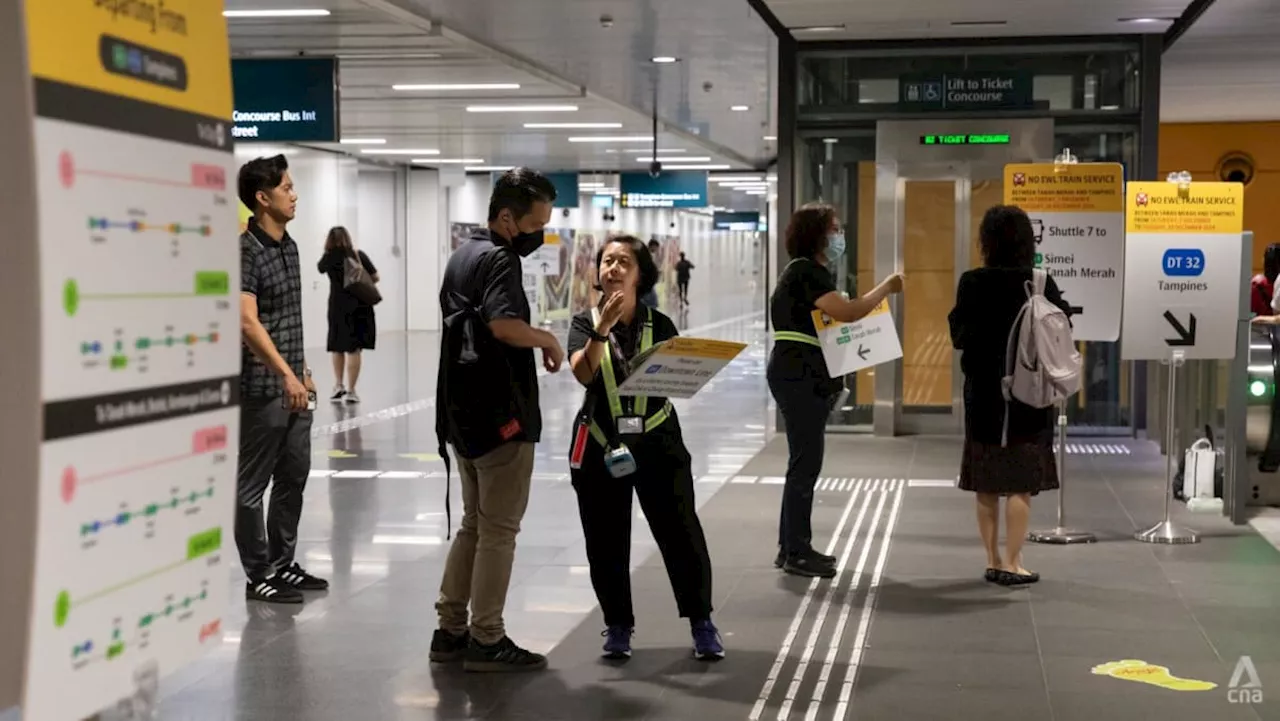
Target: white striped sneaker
[(272, 590)]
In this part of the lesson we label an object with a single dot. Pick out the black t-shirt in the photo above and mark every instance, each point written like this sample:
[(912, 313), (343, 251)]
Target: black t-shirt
[(334, 264), (682, 270), (791, 308), (624, 343), (488, 390)]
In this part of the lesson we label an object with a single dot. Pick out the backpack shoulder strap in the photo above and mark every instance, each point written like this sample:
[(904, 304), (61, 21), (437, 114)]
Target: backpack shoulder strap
[(1039, 279)]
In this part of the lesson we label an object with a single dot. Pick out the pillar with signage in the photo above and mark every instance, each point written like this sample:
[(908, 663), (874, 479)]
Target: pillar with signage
[(130, 380), (1184, 265)]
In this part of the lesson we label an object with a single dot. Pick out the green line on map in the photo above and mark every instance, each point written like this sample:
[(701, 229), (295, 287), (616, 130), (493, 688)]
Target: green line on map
[(198, 546)]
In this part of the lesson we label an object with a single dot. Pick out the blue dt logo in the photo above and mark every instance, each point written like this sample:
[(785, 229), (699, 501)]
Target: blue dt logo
[(652, 369), (1183, 262)]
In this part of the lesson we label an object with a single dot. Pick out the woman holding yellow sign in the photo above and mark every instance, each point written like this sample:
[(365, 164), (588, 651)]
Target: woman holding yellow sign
[(625, 443), (798, 375)]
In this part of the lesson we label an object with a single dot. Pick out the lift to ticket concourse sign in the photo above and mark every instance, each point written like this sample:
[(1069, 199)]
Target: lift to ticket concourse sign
[(1077, 212), (1183, 270)]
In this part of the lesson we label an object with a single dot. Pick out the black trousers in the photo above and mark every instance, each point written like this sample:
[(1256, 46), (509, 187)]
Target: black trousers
[(275, 450), (664, 483), (805, 406), (683, 287)]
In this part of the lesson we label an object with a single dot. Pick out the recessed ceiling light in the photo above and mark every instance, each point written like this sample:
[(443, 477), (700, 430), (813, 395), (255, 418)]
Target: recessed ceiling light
[(818, 29), (736, 178), (572, 126), (488, 168), (364, 141), (681, 159), (698, 167), (449, 161), (831, 141), (612, 139), (977, 23), (665, 60), (457, 86), (661, 151), (740, 108), (522, 108), (1110, 107), (1145, 21), (418, 151), (770, 138), (299, 13)]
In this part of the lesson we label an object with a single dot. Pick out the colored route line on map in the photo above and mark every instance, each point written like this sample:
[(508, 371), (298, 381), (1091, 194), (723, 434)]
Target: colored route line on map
[(206, 284), (200, 176), (123, 518), (117, 645), (119, 361), (138, 226), (204, 440)]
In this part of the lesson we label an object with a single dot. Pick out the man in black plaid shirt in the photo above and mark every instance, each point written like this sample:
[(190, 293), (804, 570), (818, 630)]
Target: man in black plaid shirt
[(276, 391)]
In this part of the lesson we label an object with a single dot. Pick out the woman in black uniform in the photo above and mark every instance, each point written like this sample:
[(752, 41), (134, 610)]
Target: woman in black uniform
[(988, 300), (797, 373), (620, 444), (352, 327)]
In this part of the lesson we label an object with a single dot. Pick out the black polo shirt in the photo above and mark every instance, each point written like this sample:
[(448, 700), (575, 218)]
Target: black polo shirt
[(269, 271), (488, 391), (624, 345), (791, 308)]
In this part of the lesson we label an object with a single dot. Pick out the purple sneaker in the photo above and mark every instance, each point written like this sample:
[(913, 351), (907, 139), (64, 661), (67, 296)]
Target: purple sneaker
[(707, 645), (617, 644)]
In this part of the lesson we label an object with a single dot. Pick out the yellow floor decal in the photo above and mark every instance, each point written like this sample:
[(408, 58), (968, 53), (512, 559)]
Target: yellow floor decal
[(1143, 672)]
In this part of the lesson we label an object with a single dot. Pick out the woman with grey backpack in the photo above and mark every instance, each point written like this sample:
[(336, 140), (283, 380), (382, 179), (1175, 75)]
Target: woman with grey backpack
[(352, 325), (1006, 310)]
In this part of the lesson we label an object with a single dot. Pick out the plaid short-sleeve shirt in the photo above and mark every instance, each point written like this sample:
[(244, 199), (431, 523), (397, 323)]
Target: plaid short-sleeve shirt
[(270, 270)]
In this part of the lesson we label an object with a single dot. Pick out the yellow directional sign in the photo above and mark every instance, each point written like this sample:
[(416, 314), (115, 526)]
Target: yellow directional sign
[(424, 457), (1150, 673)]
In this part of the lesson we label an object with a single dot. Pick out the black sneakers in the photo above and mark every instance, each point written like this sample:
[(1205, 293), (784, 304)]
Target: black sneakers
[(502, 657), (272, 590), (298, 578), (449, 648), (810, 565)]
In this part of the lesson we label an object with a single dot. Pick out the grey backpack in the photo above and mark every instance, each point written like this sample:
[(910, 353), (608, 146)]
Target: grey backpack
[(1042, 365)]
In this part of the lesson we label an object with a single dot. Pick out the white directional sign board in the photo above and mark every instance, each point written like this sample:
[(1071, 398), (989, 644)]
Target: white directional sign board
[(1077, 212), (851, 347), (1183, 270), (678, 368)]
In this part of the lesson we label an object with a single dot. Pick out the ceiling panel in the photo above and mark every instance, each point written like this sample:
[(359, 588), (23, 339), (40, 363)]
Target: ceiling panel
[(380, 46), (1227, 66)]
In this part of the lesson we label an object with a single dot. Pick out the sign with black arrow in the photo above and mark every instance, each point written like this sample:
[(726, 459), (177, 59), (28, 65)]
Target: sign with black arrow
[(850, 347), (1185, 259)]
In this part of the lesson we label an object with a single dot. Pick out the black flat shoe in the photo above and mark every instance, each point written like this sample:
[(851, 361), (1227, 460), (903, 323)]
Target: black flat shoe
[(1009, 578), (992, 575)]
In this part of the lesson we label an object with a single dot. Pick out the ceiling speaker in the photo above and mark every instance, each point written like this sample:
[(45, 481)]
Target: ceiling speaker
[(1235, 167)]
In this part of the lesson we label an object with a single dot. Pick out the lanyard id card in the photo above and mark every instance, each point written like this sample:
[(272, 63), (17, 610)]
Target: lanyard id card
[(619, 462), (630, 425)]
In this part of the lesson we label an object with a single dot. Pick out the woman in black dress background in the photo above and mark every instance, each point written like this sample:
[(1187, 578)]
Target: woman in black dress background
[(352, 327), (988, 300)]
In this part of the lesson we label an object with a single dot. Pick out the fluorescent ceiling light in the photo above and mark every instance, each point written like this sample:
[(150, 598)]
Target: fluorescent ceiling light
[(449, 161), (522, 108), (770, 138), (665, 60), (572, 126), (457, 86), (301, 13), (722, 179), (661, 151), (1110, 107), (772, 178), (698, 167), (977, 23), (681, 159), (398, 151), (612, 139), (818, 29), (757, 192), (488, 168), (364, 141), (1146, 21), (831, 141), (740, 108)]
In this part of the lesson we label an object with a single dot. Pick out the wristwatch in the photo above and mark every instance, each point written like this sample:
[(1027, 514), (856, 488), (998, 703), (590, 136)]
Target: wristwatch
[(595, 336)]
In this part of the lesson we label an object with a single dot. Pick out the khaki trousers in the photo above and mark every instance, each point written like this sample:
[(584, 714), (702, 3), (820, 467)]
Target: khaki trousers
[(495, 494)]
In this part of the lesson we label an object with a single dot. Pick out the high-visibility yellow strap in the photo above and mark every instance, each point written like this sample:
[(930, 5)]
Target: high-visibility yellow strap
[(650, 423), (641, 403), (795, 337)]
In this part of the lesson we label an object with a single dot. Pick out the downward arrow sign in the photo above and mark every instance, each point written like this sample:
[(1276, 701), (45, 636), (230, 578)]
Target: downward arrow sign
[(1186, 334), (863, 352)]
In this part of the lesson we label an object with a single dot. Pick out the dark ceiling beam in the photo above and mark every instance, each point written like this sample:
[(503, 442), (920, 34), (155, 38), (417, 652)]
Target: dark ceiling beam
[(1185, 21), (762, 9)]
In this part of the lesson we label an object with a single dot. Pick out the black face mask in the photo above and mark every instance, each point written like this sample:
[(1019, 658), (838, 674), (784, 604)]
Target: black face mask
[(527, 243)]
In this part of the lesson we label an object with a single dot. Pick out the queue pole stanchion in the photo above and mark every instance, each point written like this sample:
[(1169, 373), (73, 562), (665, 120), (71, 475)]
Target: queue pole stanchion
[(1166, 531), (1062, 534)]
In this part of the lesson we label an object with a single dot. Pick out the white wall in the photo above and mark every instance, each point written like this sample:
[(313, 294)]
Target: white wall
[(426, 248), (332, 190)]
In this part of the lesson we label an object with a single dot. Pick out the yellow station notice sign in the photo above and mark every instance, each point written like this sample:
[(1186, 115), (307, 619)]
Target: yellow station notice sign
[(1077, 213), (850, 347), (1184, 269)]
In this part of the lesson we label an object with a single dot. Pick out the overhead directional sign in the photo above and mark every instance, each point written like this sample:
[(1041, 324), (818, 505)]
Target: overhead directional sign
[(850, 347), (1077, 212), (1183, 270)]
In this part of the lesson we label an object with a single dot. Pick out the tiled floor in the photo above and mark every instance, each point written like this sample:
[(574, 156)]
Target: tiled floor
[(907, 631)]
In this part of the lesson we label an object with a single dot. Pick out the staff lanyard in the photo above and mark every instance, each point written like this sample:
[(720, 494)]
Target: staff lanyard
[(640, 404)]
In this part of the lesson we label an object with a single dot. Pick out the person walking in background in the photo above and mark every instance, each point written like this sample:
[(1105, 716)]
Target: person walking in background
[(988, 301), (487, 409), (798, 376), (650, 298), (352, 325), (277, 394), (683, 266)]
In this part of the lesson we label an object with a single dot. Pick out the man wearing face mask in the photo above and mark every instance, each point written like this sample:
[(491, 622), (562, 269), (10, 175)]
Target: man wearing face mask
[(798, 375), (487, 409)]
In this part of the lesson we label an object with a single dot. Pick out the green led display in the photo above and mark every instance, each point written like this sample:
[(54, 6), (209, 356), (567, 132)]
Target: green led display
[(963, 139)]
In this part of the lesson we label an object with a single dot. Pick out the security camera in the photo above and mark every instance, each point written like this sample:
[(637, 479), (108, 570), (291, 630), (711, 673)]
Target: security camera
[(707, 86), (606, 21), (655, 169)]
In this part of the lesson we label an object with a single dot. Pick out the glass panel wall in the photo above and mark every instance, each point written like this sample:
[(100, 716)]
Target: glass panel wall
[(1091, 92)]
